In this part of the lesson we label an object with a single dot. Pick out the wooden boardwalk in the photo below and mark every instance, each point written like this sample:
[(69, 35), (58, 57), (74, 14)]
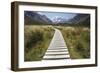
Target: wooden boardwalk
[(57, 49)]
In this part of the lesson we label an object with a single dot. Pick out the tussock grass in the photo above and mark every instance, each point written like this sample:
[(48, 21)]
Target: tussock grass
[(37, 39), (78, 41)]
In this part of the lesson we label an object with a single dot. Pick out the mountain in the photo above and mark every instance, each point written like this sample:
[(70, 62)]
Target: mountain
[(31, 17), (58, 20), (80, 19)]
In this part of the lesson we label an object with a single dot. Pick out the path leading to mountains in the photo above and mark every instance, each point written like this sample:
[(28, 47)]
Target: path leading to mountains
[(57, 49)]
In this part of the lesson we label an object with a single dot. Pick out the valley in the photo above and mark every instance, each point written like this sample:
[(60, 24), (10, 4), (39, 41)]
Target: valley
[(39, 30)]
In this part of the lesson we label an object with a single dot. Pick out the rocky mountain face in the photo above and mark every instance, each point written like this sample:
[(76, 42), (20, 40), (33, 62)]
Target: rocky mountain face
[(31, 17)]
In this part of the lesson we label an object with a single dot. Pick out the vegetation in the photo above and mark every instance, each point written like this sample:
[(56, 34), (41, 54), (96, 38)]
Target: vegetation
[(39, 30), (37, 39), (78, 41)]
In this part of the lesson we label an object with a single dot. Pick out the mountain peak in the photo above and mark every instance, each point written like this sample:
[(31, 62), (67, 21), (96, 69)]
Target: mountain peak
[(59, 20)]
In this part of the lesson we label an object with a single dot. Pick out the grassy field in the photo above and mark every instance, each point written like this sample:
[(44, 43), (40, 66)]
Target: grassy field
[(78, 41), (37, 39)]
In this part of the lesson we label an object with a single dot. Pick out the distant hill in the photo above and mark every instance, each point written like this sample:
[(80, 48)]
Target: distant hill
[(31, 17)]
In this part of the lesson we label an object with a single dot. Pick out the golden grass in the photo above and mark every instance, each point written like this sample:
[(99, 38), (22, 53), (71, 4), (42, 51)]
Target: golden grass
[(37, 40), (78, 41)]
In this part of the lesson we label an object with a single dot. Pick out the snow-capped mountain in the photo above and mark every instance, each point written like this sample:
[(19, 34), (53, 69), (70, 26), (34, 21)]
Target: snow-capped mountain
[(58, 20)]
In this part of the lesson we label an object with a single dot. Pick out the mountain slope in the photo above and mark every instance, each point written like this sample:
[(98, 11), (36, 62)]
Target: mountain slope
[(81, 19), (31, 17)]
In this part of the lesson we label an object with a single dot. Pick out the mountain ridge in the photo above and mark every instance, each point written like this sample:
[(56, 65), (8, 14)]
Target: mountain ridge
[(35, 18), (32, 18)]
